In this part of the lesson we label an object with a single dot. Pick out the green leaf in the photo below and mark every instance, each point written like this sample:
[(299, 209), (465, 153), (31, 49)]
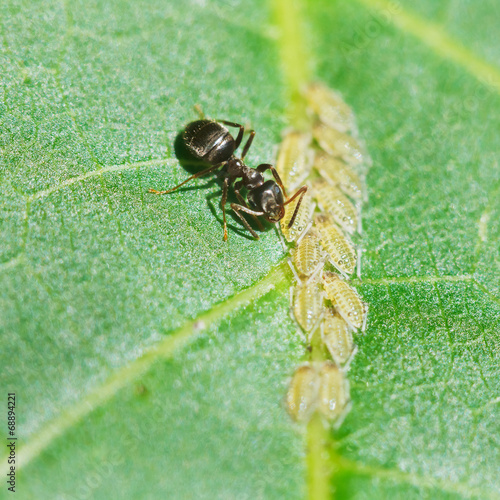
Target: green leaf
[(148, 357)]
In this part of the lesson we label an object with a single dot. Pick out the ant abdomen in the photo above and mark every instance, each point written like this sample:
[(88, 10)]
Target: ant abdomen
[(209, 141)]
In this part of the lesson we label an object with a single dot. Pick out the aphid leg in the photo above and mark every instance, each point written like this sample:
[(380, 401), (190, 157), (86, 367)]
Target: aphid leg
[(347, 365), (295, 275), (267, 166), (223, 204), (291, 304), (317, 271), (248, 144), (280, 236), (243, 203), (327, 177), (237, 209), (335, 265), (365, 191), (345, 411), (358, 267), (304, 232), (358, 208), (302, 191), (314, 329), (241, 131), (363, 328), (195, 176)]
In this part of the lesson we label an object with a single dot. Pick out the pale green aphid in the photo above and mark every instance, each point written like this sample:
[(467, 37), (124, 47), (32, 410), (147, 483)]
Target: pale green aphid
[(337, 336), (319, 386), (302, 396), (302, 218), (308, 303), (340, 250), (295, 159), (307, 255), (338, 173), (337, 204), (346, 300), (330, 108)]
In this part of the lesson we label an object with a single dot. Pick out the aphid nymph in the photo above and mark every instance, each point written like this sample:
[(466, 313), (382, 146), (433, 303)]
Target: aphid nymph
[(295, 158), (346, 300), (318, 387), (211, 142)]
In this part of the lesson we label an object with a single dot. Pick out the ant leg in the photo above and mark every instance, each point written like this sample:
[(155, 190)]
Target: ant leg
[(242, 201), (268, 166), (302, 191), (195, 176), (248, 144), (223, 204), (237, 209), (238, 139)]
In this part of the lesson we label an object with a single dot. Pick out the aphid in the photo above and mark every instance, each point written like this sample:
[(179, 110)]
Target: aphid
[(330, 107), (300, 210), (346, 300), (337, 336), (307, 255), (340, 145), (211, 142), (340, 250), (337, 204), (294, 159), (302, 395), (333, 392), (318, 387), (338, 173), (307, 303)]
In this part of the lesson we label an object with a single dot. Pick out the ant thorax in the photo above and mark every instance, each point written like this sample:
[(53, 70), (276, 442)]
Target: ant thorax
[(235, 167), (252, 178)]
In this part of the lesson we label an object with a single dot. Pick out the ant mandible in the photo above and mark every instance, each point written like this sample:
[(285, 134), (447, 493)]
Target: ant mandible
[(211, 142)]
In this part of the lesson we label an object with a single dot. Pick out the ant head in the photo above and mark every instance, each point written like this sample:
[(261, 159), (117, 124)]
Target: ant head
[(268, 198)]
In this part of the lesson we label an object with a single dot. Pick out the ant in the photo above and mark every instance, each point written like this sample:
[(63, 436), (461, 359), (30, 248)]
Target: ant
[(211, 142)]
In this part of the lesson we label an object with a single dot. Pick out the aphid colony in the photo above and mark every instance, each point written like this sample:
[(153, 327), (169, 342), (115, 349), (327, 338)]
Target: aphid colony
[(331, 162), (318, 220)]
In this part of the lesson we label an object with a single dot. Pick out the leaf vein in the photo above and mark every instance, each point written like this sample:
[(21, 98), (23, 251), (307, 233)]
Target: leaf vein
[(398, 476), (95, 173), (437, 39)]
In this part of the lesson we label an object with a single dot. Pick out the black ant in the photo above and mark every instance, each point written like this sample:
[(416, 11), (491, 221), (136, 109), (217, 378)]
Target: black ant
[(211, 142)]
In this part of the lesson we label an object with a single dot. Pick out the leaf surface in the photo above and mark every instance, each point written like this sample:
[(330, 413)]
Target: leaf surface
[(149, 357)]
